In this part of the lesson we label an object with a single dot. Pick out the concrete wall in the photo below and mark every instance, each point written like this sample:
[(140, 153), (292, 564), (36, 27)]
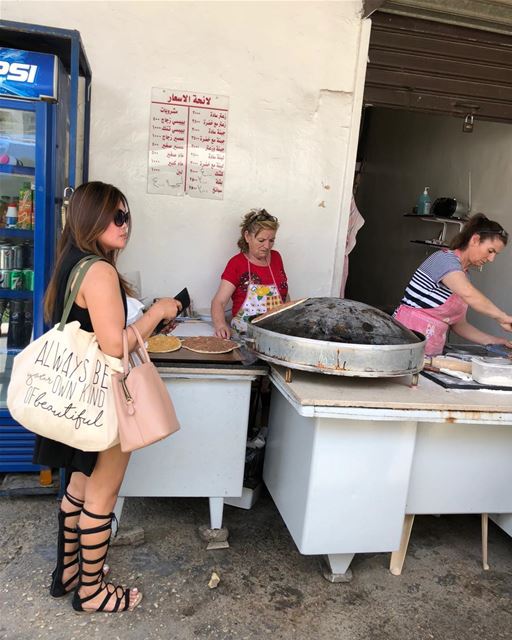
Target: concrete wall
[(404, 152), (289, 69)]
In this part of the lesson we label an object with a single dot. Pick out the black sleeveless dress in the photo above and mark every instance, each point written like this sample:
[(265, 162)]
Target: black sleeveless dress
[(48, 452)]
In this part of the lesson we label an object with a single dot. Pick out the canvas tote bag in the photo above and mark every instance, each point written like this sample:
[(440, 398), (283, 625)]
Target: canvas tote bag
[(61, 383), (144, 408)]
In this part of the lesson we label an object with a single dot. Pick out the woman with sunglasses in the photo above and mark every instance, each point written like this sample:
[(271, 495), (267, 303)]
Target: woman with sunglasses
[(254, 279), (98, 223), (440, 292)]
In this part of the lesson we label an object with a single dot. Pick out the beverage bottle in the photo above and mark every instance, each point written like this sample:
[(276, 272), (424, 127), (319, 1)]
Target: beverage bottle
[(16, 330), (28, 255), (4, 203), (4, 305), (11, 216), (25, 207), (424, 203), (27, 322)]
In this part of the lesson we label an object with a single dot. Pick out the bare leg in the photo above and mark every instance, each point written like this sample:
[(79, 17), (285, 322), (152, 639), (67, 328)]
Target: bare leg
[(101, 491)]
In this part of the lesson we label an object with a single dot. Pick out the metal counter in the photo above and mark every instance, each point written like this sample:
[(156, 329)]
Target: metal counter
[(347, 459), (206, 456)]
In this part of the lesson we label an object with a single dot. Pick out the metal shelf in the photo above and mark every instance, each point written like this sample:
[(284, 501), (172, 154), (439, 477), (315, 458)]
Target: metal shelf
[(16, 294), (442, 235), (431, 244), (12, 169), (458, 221), (24, 234)]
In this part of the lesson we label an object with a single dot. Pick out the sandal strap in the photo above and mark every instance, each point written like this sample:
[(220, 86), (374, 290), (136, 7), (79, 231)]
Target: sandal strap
[(103, 557), (74, 561), (70, 580), (74, 501), (107, 587), (69, 530), (109, 516)]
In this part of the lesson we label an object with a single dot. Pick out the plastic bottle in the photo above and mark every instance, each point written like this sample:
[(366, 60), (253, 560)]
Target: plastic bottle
[(11, 216), (4, 203), (424, 203), (25, 207), (16, 330), (27, 322)]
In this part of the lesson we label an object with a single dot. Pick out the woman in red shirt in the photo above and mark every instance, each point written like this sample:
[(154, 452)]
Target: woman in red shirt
[(254, 279)]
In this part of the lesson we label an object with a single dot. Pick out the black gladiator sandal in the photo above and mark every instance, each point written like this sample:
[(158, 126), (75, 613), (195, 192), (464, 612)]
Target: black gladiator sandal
[(90, 555), (59, 588)]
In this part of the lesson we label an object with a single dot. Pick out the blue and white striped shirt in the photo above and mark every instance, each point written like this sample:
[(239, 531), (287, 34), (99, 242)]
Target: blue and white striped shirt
[(425, 290)]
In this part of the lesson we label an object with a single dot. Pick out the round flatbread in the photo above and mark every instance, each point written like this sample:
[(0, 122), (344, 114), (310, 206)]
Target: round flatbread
[(163, 344), (209, 344)]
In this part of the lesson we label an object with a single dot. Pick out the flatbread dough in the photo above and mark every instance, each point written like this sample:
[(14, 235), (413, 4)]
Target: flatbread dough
[(163, 344), (209, 344)]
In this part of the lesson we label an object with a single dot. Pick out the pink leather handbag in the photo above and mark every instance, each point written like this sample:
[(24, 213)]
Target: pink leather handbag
[(144, 408)]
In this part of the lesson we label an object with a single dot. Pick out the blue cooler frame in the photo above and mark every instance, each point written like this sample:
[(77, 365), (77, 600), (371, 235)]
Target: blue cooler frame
[(16, 443)]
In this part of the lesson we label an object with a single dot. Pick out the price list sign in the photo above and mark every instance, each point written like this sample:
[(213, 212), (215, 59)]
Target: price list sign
[(187, 144)]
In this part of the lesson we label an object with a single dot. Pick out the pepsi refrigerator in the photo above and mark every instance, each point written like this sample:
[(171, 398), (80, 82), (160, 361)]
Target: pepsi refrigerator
[(39, 124)]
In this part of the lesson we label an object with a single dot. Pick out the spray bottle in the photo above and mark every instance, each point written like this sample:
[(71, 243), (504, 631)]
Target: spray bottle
[(424, 203)]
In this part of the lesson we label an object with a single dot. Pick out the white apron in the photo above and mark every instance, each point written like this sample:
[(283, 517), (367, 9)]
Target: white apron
[(259, 299)]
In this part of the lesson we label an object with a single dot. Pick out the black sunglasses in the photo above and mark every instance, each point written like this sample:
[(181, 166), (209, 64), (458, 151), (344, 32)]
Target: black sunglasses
[(261, 215), (492, 232), (121, 217)]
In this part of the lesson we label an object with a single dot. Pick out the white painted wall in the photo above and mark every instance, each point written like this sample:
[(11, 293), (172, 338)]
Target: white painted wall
[(406, 151), (289, 69)]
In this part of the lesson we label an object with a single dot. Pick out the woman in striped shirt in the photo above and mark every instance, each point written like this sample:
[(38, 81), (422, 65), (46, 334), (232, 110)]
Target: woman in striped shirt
[(439, 293)]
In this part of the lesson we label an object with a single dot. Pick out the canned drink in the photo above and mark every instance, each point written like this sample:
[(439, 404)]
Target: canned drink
[(28, 279), (28, 256), (17, 260), (5, 279), (16, 279), (6, 256)]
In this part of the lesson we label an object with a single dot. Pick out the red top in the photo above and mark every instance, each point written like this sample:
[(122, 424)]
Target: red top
[(237, 273)]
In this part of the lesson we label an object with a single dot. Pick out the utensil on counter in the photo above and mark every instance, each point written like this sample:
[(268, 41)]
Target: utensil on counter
[(444, 362), (277, 310)]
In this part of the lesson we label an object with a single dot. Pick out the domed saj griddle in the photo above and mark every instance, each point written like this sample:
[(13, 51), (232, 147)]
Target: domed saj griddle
[(338, 337)]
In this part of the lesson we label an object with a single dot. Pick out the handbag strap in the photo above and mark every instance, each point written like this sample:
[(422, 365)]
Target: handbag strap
[(140, 349), (79, 270)]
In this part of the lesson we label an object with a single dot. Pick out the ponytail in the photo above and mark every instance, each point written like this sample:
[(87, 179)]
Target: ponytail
[(481, 225)]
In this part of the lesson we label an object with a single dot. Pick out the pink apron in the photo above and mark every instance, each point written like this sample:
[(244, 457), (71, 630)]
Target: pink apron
[(260, 298), (433, 323)]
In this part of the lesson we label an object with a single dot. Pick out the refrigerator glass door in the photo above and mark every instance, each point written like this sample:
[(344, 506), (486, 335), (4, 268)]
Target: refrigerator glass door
[(18, 211)]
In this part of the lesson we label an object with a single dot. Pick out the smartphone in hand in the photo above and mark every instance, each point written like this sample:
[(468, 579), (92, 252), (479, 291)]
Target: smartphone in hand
[(184, 299)]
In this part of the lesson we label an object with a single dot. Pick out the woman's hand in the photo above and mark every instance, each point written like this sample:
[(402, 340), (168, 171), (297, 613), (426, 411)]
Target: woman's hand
[(168, 309), (505, 322), (504, 341), (223, 331), (219, 302)]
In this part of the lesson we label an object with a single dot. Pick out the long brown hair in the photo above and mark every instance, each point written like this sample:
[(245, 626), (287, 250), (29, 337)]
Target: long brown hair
[(483, 227), (91, 209), (253, 222)]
